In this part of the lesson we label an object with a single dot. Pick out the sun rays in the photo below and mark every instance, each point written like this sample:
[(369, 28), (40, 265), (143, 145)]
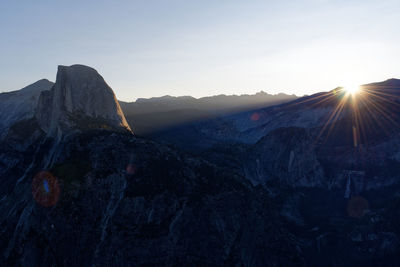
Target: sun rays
[(370, 110), (361, 111), (352, 89)]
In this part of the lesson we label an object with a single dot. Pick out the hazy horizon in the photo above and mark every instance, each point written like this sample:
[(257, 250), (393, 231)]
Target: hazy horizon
[(133, 99), (202, 49)]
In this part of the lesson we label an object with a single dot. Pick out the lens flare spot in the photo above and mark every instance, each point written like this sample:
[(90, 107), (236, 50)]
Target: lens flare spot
[(46, 186), (45, 189), (255, 116), (131, 169), (357, 207)]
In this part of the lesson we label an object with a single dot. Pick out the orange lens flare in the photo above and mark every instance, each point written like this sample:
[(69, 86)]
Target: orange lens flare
[(357, 207), (255, 116), (45, 189)]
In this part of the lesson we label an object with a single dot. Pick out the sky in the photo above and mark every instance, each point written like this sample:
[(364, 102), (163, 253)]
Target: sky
[(157, 47)]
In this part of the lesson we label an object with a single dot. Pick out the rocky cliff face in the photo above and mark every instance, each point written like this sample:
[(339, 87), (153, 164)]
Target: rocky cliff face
[(99, 196), (20, 105), (79, 99), (286, 156), (110, 199)]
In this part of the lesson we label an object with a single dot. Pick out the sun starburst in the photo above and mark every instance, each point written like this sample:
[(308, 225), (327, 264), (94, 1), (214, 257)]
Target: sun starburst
[(352, 89), (357, 113)]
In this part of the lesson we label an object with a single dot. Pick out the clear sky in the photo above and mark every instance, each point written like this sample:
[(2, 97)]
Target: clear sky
[(205, 47)]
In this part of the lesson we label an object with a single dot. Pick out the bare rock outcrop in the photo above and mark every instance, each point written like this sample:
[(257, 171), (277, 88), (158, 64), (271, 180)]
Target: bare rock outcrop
[(80, 99)]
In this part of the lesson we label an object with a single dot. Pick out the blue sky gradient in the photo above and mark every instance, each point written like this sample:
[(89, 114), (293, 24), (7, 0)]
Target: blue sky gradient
[(153, 48)]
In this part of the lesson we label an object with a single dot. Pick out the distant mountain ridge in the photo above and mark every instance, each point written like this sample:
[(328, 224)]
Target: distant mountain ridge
[(216, 102), (312, 111), (392, 82), (158, 113), (145, 115)]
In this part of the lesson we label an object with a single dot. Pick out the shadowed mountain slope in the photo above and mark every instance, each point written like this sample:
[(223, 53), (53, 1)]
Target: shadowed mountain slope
[(99, 196), (155, 114), (21, 104), (288, 185)]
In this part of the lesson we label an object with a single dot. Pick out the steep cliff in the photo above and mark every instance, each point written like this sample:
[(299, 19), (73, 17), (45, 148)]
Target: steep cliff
[(20, 105), (80, 99)]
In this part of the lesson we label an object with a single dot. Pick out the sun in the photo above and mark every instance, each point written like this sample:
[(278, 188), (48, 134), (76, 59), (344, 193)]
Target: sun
[(352, 89)]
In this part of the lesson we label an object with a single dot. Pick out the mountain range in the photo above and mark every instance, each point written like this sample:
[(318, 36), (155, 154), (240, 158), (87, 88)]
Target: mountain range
[(149, 116), (310, 181)]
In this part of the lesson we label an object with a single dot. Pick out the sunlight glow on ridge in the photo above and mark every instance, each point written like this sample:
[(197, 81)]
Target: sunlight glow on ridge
[(352, 89)]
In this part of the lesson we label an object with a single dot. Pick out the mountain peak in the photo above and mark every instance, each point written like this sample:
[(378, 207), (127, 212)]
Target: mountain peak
[(79, 99), (389, 83), (42, 83), (20, 105), (77, 70)]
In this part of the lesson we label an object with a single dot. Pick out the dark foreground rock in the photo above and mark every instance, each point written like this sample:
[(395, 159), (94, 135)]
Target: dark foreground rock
[(125, 201)]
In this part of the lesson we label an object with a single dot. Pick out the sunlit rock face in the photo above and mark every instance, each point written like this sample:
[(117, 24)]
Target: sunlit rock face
[(80, 99), (20, 105)]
